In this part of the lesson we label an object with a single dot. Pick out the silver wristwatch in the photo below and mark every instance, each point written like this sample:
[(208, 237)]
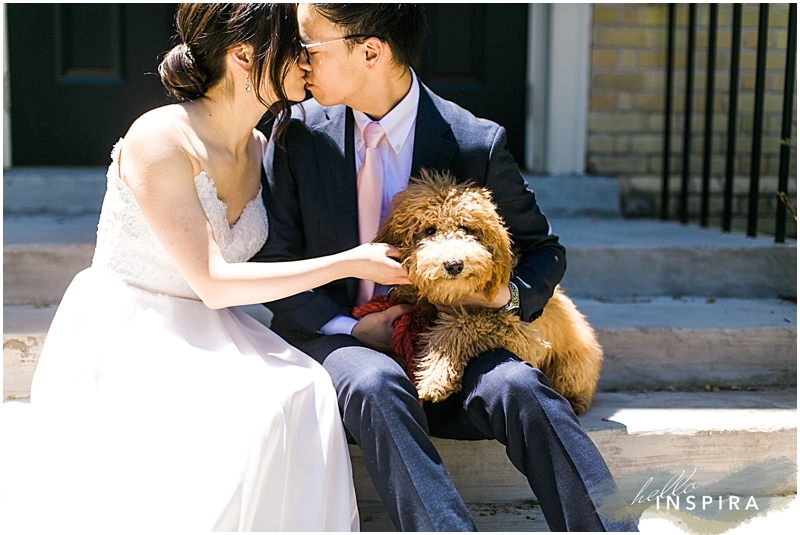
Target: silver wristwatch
[(513, 303)]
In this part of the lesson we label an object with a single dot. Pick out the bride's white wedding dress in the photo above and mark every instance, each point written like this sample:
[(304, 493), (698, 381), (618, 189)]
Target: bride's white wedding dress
[(150, 411)]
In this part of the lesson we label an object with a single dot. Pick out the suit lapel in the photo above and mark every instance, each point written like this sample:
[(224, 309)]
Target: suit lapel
[(432, 150), (337, 172), (333, 142)]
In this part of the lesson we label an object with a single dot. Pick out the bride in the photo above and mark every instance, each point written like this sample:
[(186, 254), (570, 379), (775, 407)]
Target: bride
[(154, 405)]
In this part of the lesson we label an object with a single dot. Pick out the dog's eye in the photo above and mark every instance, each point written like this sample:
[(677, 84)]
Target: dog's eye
[(465, 229), (430, 231)]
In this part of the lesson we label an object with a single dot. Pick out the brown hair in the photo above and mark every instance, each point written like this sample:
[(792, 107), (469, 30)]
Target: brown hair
[(208, 31)]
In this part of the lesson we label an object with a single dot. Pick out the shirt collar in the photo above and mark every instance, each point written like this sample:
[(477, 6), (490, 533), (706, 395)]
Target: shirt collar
[(398, 122)]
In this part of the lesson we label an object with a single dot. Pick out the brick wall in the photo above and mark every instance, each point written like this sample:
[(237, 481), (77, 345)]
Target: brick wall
[(627, 88)]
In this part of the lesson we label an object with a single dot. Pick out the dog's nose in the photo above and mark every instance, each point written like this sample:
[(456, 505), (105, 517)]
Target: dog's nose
[(454, 267)]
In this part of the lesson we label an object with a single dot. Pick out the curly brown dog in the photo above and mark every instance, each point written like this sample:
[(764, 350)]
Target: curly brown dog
[(454, 243)]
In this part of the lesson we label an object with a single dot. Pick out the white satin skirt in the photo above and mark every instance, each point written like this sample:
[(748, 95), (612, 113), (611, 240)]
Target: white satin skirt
[(156, 413)]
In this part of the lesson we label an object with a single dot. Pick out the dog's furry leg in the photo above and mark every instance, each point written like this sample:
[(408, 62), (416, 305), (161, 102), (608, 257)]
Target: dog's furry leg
[(573, 362), (458, 337), (438, 375), (444, 353)]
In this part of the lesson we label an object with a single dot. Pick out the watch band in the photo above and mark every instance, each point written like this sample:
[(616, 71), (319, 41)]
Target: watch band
[(513, 303)]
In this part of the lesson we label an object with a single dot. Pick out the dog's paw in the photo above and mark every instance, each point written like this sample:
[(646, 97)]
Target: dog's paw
[(437, 377), (433, 391)]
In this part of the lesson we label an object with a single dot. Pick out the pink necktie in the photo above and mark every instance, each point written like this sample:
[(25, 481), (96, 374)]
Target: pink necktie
[(370, 197)]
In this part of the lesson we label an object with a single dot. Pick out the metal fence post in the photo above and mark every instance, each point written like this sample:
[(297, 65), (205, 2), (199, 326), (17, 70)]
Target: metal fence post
[(733, 105), (710, 68), (668, 114), (758, 119), (683, 214), (786, 123)]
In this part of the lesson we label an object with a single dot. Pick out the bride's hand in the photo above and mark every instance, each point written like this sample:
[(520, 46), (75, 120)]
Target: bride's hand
[(379, 262)]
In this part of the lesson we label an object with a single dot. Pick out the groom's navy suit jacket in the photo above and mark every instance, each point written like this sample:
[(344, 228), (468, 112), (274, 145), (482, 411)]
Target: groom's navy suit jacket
[(310, 194)]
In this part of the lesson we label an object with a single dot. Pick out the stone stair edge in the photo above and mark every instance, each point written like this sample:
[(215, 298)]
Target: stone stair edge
[(642, 356), (744, 409), (584, 233), (694, 412), (607, 261), (43, 190), (691, 313), (641, 181), (741, 183)]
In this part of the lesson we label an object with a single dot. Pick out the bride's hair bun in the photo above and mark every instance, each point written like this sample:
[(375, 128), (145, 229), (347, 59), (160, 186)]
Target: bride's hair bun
[(182, 76), (207, 31)]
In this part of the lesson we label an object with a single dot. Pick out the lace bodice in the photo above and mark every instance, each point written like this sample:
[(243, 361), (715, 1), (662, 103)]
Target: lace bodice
[(127, 248)]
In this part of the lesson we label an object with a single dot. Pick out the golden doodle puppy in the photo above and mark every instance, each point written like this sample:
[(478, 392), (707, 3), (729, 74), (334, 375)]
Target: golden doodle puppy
[(454, 243)]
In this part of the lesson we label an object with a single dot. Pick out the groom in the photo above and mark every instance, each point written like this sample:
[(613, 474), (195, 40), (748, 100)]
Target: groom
[(371, 117)]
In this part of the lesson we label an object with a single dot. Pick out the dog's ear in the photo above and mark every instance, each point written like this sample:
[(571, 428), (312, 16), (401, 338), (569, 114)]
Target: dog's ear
[(407, 207), (501, 272), (398, 228), (495, 238), (387, 232)]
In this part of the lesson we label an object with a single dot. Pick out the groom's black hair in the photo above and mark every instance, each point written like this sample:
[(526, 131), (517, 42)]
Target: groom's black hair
[(207, 31), (401, 26)]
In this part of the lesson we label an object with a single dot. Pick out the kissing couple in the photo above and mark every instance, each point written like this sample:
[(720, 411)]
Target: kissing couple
[(156, 404)]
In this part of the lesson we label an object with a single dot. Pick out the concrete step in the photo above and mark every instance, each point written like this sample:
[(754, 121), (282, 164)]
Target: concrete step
[(780, 516), (53, 190), (727, 434), (493, 516), (685, 342), (75, 190), (569, 197), (607, 258), (732, 440), (740, 443), (702, 370), (618, 258), (659, 342)]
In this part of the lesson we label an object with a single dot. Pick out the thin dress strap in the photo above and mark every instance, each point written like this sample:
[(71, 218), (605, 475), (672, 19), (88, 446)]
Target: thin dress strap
[(191, 147)]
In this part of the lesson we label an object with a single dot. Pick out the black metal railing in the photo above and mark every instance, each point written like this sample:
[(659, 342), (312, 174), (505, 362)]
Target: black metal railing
[(786, 123), (758, 118), (711, 68), (733, 107)]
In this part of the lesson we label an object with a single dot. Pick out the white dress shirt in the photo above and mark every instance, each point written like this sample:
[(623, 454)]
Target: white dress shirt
[(397, 150)]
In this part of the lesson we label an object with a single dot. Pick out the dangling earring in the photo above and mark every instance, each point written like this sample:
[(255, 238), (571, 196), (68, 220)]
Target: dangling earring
[(247, 87)]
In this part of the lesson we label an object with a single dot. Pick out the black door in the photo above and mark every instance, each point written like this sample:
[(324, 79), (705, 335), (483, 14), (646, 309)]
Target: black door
[(80, 74), (476, 56)]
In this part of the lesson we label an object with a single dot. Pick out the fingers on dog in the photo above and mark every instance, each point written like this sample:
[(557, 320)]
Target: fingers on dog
[(396, 311)]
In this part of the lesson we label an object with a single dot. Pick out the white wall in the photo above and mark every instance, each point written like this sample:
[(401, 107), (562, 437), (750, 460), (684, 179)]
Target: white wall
[(559, 47)]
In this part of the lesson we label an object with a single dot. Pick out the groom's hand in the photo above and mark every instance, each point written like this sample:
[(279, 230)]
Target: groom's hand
[(375, 330), (479, 300)]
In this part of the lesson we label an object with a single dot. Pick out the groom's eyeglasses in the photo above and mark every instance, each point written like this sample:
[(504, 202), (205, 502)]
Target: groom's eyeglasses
[(305, 47)]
